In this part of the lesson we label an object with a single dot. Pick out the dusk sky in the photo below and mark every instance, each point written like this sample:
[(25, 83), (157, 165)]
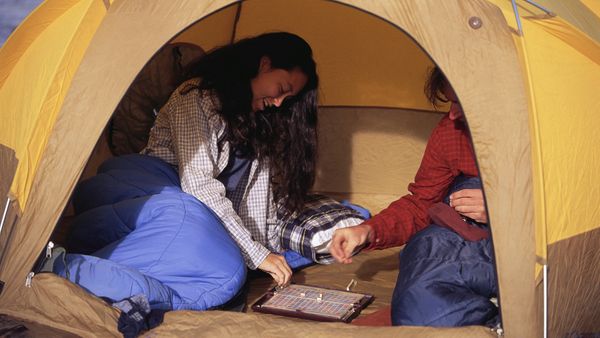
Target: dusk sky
[(12, 12)]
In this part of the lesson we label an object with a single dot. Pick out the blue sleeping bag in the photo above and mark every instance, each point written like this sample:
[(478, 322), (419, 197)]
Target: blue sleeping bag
[(136, 232), (445, 280)]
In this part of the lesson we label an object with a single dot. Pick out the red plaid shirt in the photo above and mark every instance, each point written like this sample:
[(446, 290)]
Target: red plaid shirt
[(448, 154)]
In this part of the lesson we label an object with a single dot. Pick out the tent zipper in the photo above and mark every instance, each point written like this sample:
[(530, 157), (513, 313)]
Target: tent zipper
[(49, 249), (498, 330), (38, 266), (28, 279)]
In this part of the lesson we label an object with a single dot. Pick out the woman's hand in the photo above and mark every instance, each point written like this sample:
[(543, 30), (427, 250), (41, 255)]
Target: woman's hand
[(278, 268), (469, 203), (345, 241)]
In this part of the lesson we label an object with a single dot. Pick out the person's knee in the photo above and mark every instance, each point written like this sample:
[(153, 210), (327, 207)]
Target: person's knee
[(407, 308), (427, 305), (432, 242)]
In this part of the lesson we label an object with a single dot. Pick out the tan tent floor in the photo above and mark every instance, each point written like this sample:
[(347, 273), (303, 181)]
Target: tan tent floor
[(376, 273), (228, 324), (13, 327)]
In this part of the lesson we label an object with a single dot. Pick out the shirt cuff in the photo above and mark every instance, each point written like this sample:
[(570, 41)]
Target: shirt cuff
[(259, 254), (377, 237)]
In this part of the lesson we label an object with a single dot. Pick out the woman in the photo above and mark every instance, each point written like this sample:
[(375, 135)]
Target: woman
[(254, 104), (234, 148)]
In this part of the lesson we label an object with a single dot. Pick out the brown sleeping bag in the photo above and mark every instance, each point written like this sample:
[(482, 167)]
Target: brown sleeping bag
[(131, 122)]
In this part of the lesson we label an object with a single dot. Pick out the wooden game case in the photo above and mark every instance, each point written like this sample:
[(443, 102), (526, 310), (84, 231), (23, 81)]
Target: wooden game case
[(301, 301)]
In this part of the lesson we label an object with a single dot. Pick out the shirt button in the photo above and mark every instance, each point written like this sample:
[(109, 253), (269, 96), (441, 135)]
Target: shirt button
[(377, 240)]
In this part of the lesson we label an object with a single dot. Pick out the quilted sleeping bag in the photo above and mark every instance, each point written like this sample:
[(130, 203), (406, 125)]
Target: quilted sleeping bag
[(136, 232)]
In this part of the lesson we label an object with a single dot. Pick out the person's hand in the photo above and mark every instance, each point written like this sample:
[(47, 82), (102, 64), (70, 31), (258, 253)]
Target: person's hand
[(278, 268), (469, 203), (345, 240)]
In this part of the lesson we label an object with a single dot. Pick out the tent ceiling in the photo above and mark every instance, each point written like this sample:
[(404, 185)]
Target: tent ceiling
[(362, 60)]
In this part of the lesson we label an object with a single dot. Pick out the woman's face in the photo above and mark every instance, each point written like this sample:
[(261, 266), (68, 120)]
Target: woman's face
[(456, 111), (273, 85)]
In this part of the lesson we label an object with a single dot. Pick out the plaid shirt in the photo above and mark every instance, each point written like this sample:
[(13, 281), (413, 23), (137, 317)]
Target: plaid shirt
[(187, 134), (448, 154)]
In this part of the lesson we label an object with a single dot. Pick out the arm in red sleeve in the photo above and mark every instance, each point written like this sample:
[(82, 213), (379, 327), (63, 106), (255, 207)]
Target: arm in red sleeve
[(403, 218)]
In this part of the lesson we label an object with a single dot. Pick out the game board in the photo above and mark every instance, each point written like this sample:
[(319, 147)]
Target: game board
[(311, 302)]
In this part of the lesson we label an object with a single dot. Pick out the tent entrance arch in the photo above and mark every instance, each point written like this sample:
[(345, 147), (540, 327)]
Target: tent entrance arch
[(347, 88)]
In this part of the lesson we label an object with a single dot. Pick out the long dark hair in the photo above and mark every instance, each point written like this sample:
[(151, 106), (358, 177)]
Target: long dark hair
[(434, 86), (285, 137)]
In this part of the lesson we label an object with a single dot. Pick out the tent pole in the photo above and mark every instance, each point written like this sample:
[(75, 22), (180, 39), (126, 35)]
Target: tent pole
[(517, 17), (549, 12), (4, 214), (2, 226), (545, 271), (235, 22)]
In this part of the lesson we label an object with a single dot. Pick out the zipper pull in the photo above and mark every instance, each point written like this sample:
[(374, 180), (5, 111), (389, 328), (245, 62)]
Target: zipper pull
[(28, 279), (498, 330), (49, 249)]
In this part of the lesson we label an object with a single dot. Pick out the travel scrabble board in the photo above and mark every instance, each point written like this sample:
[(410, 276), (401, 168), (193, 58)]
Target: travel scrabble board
[(311, 302)]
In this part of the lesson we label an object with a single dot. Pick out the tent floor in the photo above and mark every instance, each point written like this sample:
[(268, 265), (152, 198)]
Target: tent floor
[(375, 272), (18, 328)]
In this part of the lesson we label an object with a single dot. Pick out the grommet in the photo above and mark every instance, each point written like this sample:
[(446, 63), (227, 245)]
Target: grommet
[(475, 22)]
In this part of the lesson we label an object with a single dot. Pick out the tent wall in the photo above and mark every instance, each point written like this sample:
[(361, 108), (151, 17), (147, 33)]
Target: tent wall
[(578, 13), (370, 155), (573, 276), (567, 182), (38, 63), (594, 6), (567, 125), (558, 51), (216, 30), (567, 121)]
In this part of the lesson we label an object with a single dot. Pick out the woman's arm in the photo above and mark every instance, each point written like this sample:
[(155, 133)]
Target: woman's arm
[(195, 130)]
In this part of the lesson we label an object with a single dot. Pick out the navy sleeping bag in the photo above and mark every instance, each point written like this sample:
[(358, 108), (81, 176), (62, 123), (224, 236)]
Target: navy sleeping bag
[(136, 232), (445, 280)]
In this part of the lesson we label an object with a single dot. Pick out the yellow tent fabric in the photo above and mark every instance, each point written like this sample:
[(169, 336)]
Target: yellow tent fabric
[(529, 101), (37, 63), (593, 5), (550, 43)]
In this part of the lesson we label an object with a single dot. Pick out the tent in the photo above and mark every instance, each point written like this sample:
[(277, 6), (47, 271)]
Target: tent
[(526, 77)]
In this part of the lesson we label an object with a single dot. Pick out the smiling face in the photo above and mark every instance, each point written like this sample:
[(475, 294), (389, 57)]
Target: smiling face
[(456, 111), (272, 86)]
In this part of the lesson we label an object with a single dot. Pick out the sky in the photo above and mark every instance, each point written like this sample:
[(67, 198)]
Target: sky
[(12, 12)]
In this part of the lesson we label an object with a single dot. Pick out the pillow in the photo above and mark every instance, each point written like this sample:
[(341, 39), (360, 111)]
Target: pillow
[(309, 232)]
